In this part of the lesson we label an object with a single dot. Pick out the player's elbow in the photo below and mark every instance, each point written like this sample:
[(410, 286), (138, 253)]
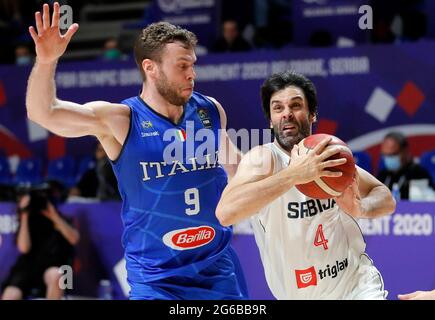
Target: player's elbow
[(39, 112), (390, 205), (224, 217), (36, 117)]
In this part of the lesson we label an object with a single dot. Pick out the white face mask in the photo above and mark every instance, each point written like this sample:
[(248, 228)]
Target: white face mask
[(23, 61), (392, 163)]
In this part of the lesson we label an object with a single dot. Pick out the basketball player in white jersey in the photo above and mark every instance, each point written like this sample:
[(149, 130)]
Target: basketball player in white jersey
[(310, 248)]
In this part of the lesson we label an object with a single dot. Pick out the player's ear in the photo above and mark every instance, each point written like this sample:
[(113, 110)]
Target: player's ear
[(149, 67), (313, 117)]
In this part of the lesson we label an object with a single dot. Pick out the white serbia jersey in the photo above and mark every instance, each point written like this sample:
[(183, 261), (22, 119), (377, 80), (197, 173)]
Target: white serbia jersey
[(311, 249)]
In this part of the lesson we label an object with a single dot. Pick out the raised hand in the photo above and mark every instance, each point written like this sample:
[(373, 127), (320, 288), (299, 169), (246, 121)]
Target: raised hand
[(313, 165), (50, 44), (51, 213)]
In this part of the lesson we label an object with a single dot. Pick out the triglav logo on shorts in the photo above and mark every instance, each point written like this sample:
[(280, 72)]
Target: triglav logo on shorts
[(189, 238), (306, 277)]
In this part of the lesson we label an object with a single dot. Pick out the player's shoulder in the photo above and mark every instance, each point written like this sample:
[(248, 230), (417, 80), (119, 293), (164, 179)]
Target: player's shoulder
[(259, 159)]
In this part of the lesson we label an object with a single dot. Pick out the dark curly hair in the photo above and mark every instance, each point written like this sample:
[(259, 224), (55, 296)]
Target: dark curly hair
[(152, 40), (282, 80)]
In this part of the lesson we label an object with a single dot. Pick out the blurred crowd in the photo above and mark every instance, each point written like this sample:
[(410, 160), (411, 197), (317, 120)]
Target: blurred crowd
[(245, 25)]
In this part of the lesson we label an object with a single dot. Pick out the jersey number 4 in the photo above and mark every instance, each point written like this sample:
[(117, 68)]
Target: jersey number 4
[(319, 239), (191, 197)]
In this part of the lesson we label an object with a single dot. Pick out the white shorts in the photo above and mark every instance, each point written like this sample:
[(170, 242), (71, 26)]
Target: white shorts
[(369, 284)]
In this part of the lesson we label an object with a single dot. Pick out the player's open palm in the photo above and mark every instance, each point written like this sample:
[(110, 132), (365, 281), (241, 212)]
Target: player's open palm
[(49, 42)]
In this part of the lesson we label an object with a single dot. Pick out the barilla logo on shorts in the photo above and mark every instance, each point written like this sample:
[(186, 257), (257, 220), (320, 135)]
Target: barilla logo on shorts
[(189, 238), (306, 277)]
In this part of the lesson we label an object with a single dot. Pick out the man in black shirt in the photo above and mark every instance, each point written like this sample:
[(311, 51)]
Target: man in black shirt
[(98, 182), (400, 168), (45, 240)]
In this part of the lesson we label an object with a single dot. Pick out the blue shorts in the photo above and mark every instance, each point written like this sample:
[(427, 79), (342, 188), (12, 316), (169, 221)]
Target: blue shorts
[(222, 280)]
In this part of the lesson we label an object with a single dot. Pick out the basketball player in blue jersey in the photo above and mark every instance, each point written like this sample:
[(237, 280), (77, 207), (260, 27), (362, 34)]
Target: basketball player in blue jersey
[(175, 247)]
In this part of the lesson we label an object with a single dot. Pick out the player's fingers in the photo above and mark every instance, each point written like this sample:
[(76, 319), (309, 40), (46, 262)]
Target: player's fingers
[(354, 186), (333, 163), (408, 296), (322, 144), (71, 30), (46, 16), (33, 34), (332, 174), (56, 14), (38, 21), (329, 151)]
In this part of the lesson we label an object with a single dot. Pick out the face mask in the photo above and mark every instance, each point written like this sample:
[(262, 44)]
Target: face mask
[(392, 163), (112, 54), (23, 61)]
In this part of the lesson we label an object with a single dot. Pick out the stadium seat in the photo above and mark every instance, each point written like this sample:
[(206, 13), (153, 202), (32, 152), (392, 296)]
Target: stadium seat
[(62, 170), (427, 161), (5, 171), (363, 160), (29, 171)]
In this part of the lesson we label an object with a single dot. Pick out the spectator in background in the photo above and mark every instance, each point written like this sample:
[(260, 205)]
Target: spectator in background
[(273, 22), (112, 51), (23, 57), (45, 240), (98, 182), (231, 40), (397, 21), (400, 167)]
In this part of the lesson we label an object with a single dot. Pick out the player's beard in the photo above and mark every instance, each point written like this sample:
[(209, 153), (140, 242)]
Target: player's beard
[(169, 91), (286, 140)]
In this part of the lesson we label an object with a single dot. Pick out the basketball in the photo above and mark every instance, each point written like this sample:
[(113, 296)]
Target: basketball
[(328, 187)]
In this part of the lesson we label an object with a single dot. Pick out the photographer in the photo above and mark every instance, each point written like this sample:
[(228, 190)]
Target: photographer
[(45, 240)]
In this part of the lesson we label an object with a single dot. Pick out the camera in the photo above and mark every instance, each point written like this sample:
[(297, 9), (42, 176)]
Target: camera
[(39, 197)]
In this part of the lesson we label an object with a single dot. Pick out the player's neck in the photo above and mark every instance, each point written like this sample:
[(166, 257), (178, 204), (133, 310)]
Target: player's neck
[(287, 152), (159, 104)]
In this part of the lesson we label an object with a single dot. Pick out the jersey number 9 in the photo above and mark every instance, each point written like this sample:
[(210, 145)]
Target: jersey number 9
[(191, 197)]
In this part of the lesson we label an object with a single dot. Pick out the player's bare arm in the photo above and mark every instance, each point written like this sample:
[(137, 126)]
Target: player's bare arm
[(229, 154), (366, 197), (109, 122), (255, 185)]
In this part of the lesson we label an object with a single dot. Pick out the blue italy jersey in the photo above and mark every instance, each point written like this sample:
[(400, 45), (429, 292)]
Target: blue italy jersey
[(170, 181)]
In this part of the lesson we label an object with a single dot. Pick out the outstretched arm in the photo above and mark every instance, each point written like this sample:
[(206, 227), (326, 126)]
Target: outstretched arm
[(64, 118)]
